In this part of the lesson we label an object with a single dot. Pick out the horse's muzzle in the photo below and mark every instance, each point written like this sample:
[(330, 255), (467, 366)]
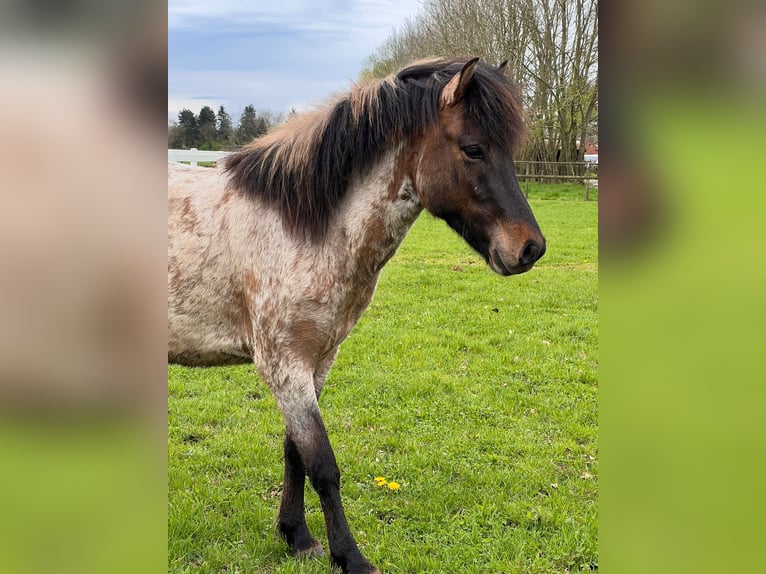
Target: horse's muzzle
[(529, 254)]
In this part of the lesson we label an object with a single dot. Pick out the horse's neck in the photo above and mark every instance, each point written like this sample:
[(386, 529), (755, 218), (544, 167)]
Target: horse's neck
[(380, 208)]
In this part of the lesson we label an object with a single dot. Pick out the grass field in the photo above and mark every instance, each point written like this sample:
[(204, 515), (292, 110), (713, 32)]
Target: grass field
[(477, 394)]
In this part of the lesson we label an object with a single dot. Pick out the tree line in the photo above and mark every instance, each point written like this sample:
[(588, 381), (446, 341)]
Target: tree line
[(209, 130), (552, 52)]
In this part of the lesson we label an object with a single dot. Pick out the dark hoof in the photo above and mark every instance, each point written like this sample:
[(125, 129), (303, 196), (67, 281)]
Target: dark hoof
[(363, 568), (300, 541), (312, 551)]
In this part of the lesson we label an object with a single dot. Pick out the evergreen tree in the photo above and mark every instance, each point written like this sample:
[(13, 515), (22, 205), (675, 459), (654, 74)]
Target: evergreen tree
[(261, 126), (225, 131), (207, 131), (174, 136), (188, 128), (248, 128)]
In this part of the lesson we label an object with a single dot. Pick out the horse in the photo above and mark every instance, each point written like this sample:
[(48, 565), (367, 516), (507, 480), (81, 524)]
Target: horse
[(274, 256)]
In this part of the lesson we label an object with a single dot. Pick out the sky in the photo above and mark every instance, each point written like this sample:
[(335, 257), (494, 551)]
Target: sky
[(275, 54)]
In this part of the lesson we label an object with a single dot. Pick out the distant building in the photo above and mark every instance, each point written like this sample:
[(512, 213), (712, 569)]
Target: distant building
[(591, 152)]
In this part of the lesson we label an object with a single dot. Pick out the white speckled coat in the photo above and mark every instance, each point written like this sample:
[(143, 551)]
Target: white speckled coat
[(236, 296)]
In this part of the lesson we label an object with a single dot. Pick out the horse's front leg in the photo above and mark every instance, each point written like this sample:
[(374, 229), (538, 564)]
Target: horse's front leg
[(297, 400), (319, 459), (292, 518)]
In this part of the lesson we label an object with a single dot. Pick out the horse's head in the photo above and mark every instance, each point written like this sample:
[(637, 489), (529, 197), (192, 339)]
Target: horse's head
[(464, 171)]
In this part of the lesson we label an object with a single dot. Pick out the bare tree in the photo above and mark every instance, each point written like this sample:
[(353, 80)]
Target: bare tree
[(552, 52), (561, 66)]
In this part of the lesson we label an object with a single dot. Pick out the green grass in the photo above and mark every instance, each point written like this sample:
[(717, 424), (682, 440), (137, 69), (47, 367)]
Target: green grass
[(201, 163), (476, 393), (570, 190)]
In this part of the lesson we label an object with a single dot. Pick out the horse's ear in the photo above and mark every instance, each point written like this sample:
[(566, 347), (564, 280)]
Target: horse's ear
[(455, 88), (501, 67)]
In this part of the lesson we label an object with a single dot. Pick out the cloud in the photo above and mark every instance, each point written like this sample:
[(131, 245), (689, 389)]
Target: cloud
[(232, 14), (298, 14), (287, 54)]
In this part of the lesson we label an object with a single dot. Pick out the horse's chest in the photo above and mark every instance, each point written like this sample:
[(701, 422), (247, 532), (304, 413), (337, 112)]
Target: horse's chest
[(342, 309), (354, 304)]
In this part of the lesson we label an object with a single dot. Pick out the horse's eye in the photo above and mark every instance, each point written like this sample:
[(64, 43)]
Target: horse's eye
[(473, 152)]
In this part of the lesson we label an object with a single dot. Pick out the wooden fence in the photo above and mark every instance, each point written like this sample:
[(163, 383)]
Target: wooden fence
[(585, 172)]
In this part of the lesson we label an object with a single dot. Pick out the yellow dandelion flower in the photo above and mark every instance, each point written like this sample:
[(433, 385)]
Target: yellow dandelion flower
[(393, 486), (380, 480)]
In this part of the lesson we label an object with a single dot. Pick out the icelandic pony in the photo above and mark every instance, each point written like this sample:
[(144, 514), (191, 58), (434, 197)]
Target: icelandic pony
[(273, 259)]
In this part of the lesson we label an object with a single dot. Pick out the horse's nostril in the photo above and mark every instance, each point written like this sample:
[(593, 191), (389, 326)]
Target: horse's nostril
[(531, 252)]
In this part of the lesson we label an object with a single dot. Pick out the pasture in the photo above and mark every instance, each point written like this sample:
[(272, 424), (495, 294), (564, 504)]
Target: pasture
[(475, 394)]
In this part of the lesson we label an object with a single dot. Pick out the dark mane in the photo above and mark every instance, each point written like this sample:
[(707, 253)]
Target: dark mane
[(304, 166)]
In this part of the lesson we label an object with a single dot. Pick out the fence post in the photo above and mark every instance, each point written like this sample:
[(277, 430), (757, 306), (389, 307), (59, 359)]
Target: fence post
[(526, 183), (193, 162), (587, 180)]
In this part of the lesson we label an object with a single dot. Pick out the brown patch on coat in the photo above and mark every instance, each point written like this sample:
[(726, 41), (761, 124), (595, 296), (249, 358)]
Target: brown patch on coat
[(376, 235), (307, 341), (188, 219), (225, 198), (238, 314), (175, 279), (252, 283)]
